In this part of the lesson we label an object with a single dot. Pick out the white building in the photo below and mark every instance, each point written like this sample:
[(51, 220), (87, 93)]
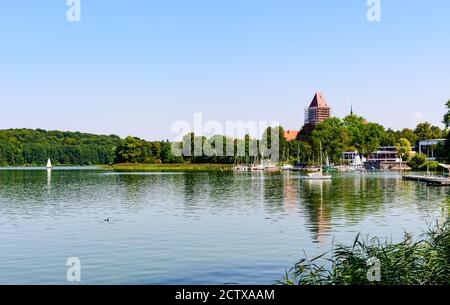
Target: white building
[(353, 158), (386, 154), (427, 147)]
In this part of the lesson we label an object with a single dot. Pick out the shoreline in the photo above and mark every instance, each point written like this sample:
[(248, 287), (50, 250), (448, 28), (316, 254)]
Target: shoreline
[(179, 167), (154, 167)]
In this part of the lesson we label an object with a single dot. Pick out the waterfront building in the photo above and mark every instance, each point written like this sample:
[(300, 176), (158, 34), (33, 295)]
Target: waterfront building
[(353, 158), (386, 157), (386, 154), (318, 111), (349, 156), (428, 147), (291, 135)]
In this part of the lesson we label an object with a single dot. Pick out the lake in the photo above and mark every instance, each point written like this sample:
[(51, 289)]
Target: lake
[(193, 228)]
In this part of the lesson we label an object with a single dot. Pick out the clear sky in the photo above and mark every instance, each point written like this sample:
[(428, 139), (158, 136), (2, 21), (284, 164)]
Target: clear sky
[(135, 67)]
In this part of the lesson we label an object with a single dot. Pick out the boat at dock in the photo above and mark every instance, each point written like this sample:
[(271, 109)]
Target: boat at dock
[(241, 168), (316, 176), (287, 167), (272, 168), (257, 168), (319, 174)]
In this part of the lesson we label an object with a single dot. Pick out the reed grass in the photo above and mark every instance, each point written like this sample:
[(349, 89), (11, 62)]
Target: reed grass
[(422, 262)]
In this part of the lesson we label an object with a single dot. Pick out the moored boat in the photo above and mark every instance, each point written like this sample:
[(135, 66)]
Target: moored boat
[(287, 167), (319, 174)]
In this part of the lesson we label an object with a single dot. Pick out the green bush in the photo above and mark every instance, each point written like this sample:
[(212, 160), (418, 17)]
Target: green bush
[(418, 161), (432, 165)]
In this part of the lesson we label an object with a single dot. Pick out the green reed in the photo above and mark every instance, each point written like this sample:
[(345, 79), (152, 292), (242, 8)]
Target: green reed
[(422, 262)]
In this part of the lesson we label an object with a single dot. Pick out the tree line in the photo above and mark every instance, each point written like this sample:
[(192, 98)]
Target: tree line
[(19, 147), (334, 136)]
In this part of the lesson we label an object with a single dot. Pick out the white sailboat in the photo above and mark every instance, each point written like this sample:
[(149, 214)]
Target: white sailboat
[(317, 175), (49, 164), (257, 166), (287, 167)]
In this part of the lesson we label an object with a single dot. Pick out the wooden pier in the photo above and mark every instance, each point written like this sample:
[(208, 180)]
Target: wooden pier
[(429, 180)]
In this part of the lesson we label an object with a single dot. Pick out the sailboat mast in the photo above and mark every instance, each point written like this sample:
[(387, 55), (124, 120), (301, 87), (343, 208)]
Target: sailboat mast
[(321, 161)]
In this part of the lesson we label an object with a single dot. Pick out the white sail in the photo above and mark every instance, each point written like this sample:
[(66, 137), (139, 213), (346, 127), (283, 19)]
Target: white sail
[(317, 175), (49, 164), (357, 162)]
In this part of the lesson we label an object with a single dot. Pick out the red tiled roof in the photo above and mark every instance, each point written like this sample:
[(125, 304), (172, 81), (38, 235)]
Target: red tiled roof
[(291, 135), (319, 100)]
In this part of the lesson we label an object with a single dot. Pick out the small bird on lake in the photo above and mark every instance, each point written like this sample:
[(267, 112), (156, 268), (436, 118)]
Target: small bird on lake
[(107, 219)]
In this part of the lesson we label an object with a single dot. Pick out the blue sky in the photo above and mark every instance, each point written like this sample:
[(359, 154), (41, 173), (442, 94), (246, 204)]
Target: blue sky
[(135, 67)]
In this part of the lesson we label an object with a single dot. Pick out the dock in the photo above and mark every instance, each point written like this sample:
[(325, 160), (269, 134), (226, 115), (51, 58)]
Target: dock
[(429, 180)]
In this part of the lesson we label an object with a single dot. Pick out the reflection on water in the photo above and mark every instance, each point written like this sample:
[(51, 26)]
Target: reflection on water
[(193, 228), (49, 178), (320, 215)]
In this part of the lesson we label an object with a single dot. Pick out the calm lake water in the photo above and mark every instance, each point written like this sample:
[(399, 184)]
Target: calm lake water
[(186, 228)]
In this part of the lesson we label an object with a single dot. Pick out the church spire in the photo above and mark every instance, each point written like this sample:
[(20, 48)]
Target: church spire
[(351, 108)]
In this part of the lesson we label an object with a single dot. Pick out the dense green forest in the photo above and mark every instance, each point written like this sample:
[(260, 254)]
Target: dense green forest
[(33, 147), (23, 147)]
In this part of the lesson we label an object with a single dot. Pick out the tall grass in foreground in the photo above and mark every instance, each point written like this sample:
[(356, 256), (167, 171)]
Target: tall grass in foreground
[(422, 262)]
